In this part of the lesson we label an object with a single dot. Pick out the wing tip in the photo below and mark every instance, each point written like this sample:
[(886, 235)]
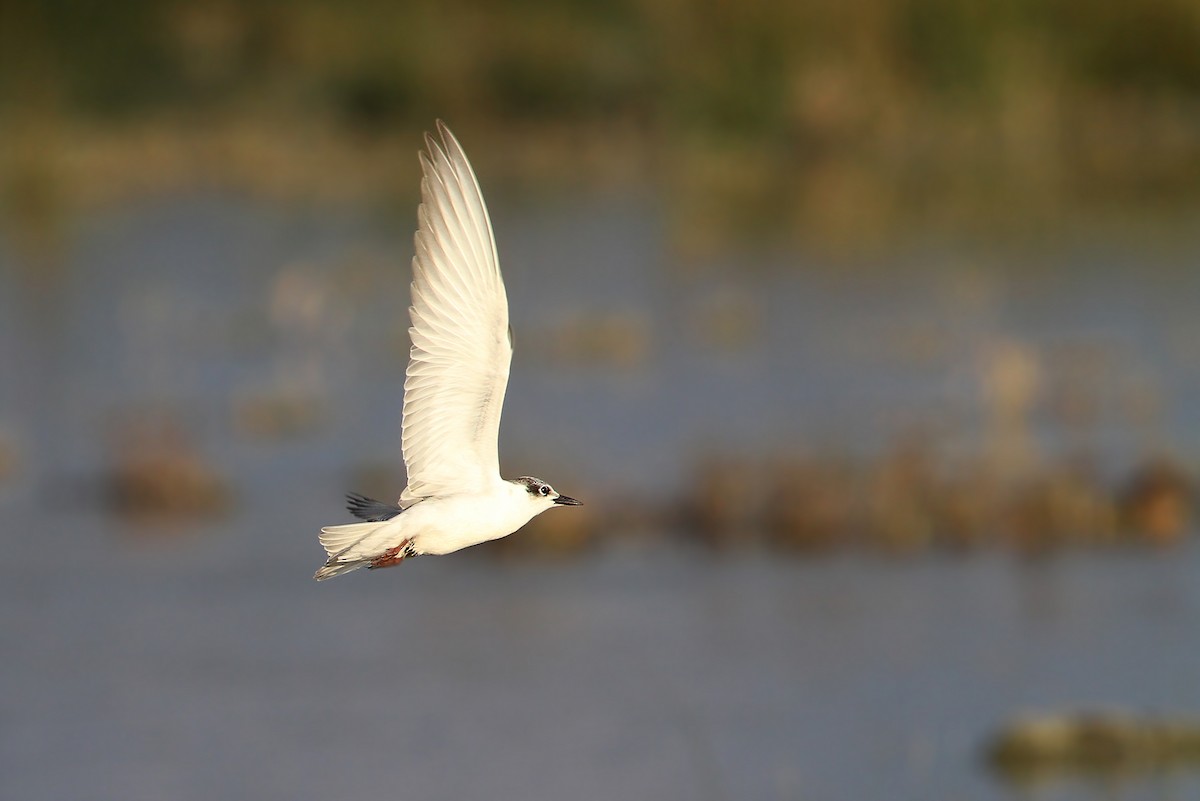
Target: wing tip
[(365, 508), (450, 147), (448, 137)]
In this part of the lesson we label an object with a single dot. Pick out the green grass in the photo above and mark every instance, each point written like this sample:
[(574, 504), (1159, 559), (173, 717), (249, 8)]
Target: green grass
[(836, 122)]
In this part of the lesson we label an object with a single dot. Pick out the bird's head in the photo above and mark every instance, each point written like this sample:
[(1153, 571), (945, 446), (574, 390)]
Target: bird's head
[(542, 495)]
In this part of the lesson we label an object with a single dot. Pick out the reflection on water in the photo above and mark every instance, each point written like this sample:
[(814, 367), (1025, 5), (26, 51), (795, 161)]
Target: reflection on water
[(778, 396)]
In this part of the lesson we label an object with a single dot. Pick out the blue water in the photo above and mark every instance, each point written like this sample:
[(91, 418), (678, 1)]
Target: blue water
[(198, 660), (213, 667), (195, 302)]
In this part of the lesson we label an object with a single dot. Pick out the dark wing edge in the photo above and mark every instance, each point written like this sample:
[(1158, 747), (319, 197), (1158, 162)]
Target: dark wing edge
[(366, 508)]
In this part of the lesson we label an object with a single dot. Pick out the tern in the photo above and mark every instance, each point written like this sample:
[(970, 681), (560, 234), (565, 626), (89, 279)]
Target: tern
[(453, 390)]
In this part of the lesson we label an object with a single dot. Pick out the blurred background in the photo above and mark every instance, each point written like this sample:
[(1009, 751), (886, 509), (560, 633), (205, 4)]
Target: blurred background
[(866, 331)]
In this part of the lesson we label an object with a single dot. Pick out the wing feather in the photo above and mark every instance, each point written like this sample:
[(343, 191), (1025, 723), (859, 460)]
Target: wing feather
[(458, 365)]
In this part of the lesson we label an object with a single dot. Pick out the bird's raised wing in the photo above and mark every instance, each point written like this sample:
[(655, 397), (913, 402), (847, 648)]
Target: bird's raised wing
[(458, 366)]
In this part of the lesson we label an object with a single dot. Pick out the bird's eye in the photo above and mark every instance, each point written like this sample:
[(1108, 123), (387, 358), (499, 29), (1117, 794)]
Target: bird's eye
[(544, 490)]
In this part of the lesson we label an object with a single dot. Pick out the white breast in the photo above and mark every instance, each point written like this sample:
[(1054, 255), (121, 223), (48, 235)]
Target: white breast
[(444, 525)]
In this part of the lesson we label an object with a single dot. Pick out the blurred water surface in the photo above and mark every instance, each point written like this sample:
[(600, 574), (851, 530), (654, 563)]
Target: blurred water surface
[(630, 361), (198, 659), (219, 669)]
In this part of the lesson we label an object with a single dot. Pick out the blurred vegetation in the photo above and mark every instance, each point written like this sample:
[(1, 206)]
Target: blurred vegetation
[(838, 123)]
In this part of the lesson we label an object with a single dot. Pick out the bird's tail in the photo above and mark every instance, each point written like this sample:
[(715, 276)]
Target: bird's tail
[(335, 568), (339, 542)]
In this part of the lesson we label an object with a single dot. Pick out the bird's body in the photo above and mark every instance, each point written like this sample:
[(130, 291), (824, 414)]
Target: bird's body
[(444, 525), (453, 392)]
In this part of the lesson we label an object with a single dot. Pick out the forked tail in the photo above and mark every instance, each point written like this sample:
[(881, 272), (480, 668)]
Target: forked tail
[(335, 568), (339, 543)]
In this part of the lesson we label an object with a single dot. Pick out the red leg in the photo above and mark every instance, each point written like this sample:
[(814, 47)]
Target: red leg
[(391, 557)]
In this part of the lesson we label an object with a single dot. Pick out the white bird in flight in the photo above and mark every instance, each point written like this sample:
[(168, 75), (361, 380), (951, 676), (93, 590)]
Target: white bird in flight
[(453, 390)]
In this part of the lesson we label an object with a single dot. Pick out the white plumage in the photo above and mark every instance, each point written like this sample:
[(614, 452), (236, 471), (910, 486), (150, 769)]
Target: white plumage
[(453, 390)]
